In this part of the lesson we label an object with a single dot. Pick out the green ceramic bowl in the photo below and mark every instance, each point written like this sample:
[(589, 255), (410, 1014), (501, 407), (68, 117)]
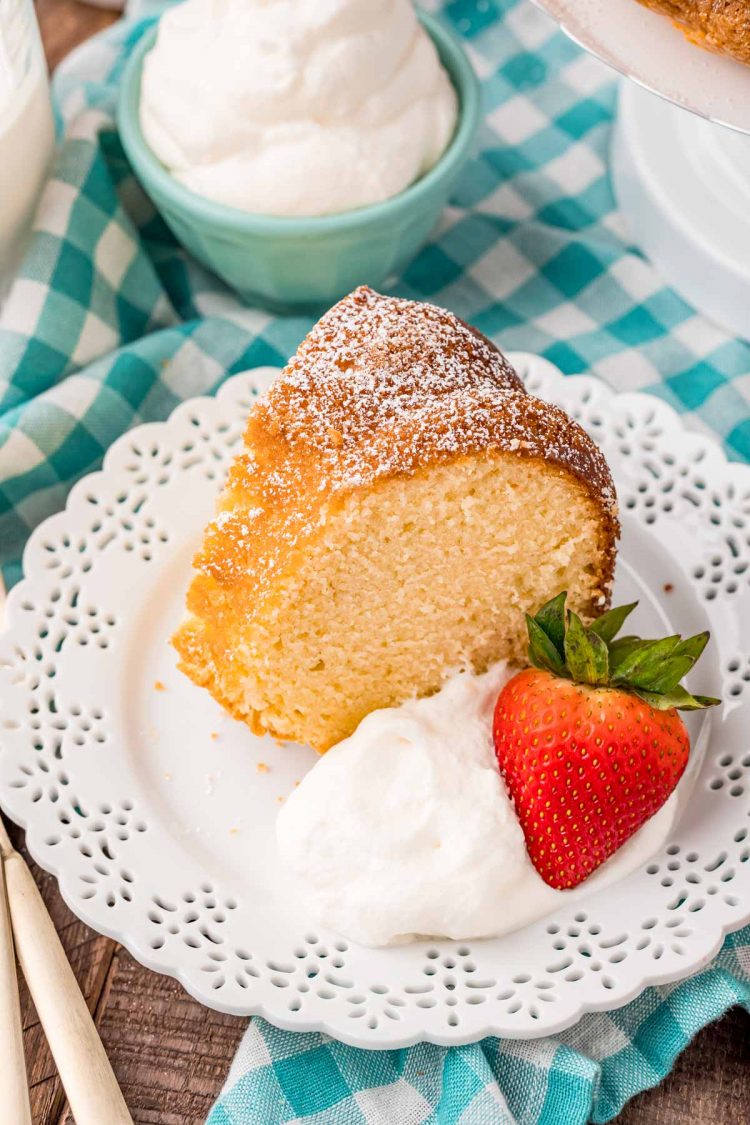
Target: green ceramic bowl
[(304, 263)]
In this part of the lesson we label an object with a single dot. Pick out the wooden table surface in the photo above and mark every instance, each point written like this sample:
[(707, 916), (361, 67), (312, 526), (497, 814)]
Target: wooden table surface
[(170, 1054)]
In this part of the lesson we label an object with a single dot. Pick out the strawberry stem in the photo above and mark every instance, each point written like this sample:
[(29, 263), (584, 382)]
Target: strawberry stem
[(560, 643)]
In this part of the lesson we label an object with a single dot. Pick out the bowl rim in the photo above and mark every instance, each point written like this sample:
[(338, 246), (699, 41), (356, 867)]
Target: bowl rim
[(152, 173)]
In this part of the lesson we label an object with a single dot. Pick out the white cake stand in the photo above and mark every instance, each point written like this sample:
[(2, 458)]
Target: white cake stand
[(682, 179)]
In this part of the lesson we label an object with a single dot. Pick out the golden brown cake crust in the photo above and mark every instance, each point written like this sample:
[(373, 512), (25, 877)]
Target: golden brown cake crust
[(380, 388), (719, 25)]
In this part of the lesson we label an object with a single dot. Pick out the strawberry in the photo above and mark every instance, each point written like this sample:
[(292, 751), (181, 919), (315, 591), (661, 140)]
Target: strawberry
[(589, 739)]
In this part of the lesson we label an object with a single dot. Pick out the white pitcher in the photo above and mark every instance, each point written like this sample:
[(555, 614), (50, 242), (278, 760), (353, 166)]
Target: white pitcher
[(26, 129)]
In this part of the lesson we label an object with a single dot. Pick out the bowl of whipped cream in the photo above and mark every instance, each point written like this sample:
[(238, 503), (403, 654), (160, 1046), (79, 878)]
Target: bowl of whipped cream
[(299, 149)]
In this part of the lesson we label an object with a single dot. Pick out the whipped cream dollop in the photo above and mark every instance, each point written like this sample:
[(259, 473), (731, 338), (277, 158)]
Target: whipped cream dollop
[(406, 827), (295, 107)]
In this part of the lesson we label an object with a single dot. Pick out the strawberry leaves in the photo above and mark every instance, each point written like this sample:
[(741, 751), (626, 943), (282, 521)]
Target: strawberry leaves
[(609, 624), (546, 654), (638, 665), (585, 653), (551, 620), (560, 643)]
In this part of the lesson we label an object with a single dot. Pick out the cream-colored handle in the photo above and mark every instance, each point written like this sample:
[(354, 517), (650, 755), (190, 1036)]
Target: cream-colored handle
[(85, 1071), (13, 1083)]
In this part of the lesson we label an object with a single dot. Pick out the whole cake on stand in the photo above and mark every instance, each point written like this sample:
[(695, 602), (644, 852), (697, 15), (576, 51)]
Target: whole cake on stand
[(680, 161)]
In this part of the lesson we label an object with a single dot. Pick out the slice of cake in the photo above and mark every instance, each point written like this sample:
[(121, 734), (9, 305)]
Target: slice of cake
[(400, 501)]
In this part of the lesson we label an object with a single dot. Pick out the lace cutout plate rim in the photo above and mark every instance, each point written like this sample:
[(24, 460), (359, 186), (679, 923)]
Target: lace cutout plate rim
[(155, 811)]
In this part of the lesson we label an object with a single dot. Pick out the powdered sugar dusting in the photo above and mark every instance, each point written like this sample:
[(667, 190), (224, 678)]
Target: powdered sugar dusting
[(377, 370), (381, 386)]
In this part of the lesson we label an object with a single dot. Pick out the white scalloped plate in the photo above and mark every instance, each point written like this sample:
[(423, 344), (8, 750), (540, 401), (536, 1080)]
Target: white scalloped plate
[(148, 805), (647, 47)]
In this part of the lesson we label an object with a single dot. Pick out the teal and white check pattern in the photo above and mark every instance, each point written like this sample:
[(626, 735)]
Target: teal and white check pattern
[(586, 1073), (110, 324)]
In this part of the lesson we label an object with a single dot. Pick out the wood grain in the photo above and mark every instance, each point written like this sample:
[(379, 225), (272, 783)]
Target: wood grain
[(709, 1085), (66, 23), (170, 1054)]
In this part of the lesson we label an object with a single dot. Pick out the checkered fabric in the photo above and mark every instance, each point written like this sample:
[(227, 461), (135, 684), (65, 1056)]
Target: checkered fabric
[(586, 1073), (110, 324)]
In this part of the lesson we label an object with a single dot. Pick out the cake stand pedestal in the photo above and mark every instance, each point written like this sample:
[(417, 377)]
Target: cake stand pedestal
[(683, 185), (681, 178)]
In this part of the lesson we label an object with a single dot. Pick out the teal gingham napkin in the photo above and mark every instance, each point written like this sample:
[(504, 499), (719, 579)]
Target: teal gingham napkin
[(110, 324)]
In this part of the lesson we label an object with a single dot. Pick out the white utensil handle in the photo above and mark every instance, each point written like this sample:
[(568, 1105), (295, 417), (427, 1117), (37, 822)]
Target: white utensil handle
[(85, 1071), (13, 1082)]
